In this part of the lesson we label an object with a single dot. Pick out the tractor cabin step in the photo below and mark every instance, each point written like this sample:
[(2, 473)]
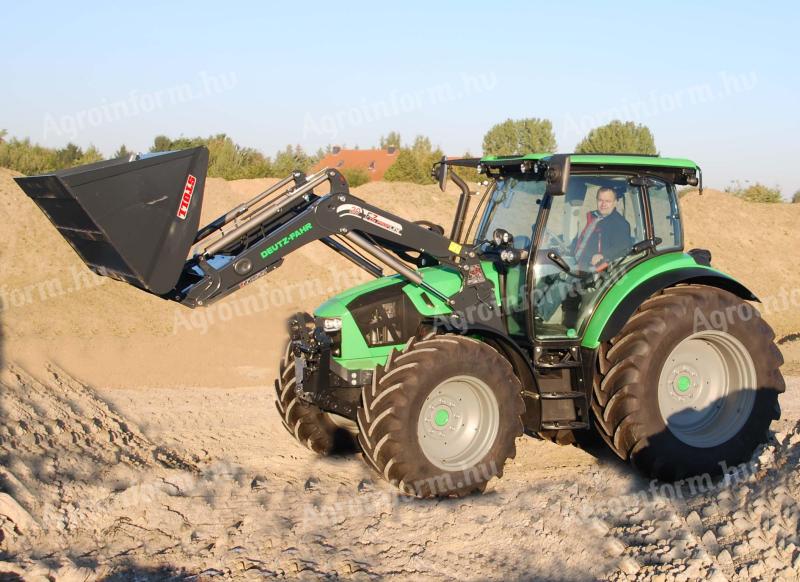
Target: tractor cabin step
[(562, 398)]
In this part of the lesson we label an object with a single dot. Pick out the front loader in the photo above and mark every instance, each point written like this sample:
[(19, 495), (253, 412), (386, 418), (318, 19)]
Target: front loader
[(567, 309)]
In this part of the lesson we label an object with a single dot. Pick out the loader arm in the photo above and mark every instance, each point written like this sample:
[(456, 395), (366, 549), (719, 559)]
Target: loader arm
[(137, 220), (341, 215)]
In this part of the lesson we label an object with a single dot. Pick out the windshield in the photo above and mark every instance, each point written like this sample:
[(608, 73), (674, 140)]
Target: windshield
[(514, 207)]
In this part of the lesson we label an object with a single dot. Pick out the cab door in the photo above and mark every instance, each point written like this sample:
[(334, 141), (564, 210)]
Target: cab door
[(585, 240)]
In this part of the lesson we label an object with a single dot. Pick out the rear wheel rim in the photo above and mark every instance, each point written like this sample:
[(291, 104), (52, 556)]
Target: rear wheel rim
[(458, 423), (706, 389)]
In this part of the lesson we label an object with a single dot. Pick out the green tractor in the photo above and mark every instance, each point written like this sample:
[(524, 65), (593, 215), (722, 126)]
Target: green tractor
[(616, 341), (567, 309)]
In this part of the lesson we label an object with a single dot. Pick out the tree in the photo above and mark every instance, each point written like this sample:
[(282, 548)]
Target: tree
[(355, 176), (466, 173), (3, 134), (161, 143), (68, 156), (796, 197), (390, 140), (226, 159), (90, 156), (618, 137), (123, 152), (405, 169), (760, 193), (414, 164), (289, 160), (520, 136)]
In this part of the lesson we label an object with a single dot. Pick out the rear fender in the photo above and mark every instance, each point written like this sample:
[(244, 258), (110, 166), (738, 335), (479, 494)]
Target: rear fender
[(622, 312)]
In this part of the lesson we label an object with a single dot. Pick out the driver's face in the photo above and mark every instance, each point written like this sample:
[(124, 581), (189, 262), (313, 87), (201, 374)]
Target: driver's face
[(606, 201)]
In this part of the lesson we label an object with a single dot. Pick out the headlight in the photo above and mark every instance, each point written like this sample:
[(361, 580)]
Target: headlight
[(331, 324)]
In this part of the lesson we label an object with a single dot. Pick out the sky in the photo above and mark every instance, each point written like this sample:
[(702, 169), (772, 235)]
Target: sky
[(717, 82)]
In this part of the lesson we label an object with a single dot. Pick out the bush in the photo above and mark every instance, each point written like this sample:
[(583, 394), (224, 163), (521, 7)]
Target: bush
[(761, 193), (521, 136), (355, 176), (755, 192), (617, 137), (27, 158), (227, 159), (796, 197)]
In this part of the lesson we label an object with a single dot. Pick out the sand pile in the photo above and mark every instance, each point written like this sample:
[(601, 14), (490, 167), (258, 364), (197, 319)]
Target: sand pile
[(52, 306), (110, 332)]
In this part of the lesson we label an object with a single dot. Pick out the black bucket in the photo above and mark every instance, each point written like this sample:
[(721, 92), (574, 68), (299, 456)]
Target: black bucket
[(130, 220)]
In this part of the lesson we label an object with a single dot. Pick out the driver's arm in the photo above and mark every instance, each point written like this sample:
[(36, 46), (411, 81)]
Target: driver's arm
[(617, 241)]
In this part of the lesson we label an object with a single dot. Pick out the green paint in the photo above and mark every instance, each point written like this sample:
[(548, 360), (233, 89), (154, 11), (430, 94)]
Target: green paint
[(335, 305), (443, 279), (355, 353), (630, 281), (599, 159), (288, 239), (442, 417), (684, 382)]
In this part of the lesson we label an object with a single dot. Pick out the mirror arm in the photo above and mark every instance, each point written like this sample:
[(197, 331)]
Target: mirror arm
[(461, 209)]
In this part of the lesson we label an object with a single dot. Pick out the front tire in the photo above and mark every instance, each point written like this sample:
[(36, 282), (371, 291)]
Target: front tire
[(441, 417), (312, 427), (690, 385)]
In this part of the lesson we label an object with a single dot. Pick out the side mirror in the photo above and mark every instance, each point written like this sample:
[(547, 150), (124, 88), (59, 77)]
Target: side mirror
[(557, 174), (440, 172)]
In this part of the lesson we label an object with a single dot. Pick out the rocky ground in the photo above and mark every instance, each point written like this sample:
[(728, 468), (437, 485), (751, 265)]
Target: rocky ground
[(205, 483)]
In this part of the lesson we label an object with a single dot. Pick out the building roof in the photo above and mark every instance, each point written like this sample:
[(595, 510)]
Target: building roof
[(375, 162)]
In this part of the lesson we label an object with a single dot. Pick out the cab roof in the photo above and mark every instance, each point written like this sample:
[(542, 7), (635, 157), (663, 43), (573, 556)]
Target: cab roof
[(635, 160)]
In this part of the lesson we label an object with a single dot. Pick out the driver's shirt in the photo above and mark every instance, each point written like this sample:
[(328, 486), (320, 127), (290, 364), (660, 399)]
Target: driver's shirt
[(587, 245)]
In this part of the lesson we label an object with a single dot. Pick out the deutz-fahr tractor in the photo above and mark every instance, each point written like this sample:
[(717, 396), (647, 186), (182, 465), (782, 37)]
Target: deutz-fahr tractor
[(566, 309)]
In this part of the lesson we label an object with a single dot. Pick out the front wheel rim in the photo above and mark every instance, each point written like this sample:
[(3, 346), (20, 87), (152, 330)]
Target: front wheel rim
[(458, 423), (706, 389)]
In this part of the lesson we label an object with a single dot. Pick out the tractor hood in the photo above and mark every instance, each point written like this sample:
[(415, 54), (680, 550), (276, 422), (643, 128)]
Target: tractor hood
[(368, 321), (444, 279)]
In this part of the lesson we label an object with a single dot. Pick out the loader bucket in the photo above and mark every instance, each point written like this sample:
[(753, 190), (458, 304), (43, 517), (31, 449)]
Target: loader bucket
[(130, 220)]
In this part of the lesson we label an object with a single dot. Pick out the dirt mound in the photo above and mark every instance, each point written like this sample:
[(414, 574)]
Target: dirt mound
[(756, 243), (52, 307)]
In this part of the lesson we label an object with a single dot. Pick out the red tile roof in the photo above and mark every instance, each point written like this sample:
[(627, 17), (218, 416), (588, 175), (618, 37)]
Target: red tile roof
[(375, 162)]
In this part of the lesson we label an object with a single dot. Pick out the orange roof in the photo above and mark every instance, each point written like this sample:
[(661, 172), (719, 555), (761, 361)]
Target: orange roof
[(375, 162)]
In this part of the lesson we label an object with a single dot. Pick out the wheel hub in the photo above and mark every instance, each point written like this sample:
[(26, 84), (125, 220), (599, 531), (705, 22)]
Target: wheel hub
[(442, 417), (707, 388), (458, 423), (685, 383)]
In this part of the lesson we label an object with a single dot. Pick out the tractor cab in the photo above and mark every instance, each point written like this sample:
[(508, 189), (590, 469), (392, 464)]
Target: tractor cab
[(613, 213)]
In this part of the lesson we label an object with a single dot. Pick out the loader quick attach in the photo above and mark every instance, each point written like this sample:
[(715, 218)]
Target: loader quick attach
[(524, 320)]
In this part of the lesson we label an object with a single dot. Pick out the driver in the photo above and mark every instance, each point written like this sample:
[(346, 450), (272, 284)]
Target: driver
[(606, 236)]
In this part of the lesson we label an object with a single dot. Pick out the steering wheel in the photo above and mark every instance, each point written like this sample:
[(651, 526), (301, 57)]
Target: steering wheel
[(556, 242)]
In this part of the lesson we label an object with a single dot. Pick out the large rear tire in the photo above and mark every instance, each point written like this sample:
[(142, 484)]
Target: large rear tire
[(441, 417), (312, 427), (690, 385)]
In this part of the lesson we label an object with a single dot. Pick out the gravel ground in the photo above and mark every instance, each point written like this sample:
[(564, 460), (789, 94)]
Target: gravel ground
[(204, 483)]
